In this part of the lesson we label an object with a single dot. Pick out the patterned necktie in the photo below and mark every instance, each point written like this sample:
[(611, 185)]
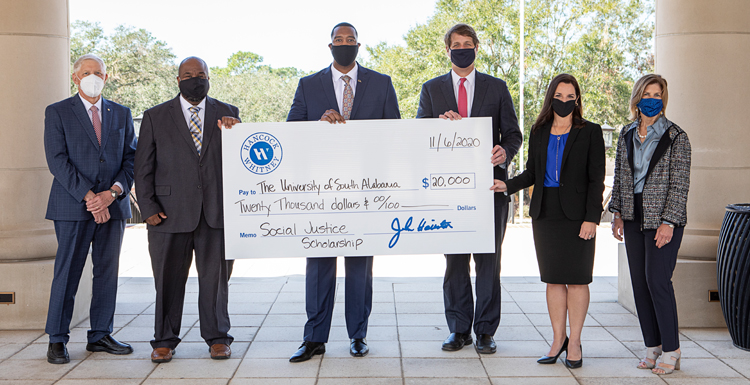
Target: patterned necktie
[(462, 100), (97, 123), (195, 127), (346, 105)]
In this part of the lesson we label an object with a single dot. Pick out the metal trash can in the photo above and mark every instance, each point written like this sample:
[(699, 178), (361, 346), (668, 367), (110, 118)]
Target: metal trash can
[(733, 272)]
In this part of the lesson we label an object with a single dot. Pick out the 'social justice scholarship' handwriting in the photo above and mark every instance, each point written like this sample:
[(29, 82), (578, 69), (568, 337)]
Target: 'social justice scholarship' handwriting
[(314, 230)]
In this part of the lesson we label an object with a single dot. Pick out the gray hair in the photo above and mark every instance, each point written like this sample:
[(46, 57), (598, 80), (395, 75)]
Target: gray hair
[(89, 56)]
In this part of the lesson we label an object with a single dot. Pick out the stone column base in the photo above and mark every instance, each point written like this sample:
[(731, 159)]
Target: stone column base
[(692, 280), (31, 281)]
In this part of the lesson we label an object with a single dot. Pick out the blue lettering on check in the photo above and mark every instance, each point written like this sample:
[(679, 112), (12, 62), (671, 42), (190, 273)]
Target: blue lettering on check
[(423, 226)]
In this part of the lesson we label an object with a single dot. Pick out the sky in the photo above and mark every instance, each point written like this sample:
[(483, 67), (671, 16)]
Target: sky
[(287, 33)]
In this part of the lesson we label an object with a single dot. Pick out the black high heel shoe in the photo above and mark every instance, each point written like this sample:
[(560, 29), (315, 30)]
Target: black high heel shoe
[(574, 364), (552, 360)]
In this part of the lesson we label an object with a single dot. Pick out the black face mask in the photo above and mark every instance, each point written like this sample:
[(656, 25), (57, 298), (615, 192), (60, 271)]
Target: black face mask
[(563, 109), (463, 58), (344, 55), (194, 89)]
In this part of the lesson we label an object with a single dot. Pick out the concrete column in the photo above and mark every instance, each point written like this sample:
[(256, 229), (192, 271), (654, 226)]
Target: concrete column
[(703, 50), (34, 72)]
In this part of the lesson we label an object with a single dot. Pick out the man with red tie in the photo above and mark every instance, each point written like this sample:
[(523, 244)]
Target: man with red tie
[(474, 94)]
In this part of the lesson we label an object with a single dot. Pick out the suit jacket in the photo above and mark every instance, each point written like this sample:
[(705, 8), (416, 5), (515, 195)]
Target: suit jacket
[(491, 98), (667, 179), (375, 97), (170, 177), (581, 173), (80, 164)]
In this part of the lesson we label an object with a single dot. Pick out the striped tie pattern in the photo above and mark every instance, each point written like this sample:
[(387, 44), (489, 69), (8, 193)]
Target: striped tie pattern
[(97, 123), (195, 127), (348, 98)]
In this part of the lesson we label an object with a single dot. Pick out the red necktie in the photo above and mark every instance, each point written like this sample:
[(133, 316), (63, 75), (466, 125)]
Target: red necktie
[(97, 123), (462, 101)]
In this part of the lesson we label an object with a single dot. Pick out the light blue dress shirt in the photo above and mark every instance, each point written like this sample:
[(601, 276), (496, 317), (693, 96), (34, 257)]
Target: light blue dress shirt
[(644, 151)]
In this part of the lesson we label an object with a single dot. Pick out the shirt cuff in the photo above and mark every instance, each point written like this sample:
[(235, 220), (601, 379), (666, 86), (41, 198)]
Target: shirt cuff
[(122, 190), (502, 165)]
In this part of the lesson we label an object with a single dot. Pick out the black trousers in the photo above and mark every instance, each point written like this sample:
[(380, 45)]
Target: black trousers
[(457, 296), (171, 257), (651, 271)]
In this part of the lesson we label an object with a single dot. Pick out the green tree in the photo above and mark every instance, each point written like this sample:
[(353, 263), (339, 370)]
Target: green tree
[(141, 68), (262, 93), (605, 44)]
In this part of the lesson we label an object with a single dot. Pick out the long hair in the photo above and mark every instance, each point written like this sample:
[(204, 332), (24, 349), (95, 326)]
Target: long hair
[(640, 87), (546, 115)]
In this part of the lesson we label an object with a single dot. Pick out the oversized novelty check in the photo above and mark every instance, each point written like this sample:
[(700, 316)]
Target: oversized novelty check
[(367, 187)]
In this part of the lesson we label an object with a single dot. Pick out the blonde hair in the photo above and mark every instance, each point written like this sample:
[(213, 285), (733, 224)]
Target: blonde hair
[(640, 87)]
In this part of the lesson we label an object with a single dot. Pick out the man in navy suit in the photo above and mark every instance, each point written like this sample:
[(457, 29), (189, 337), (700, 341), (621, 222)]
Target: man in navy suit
[(341, 92), (90, 145), (465, 92), (179, 188)]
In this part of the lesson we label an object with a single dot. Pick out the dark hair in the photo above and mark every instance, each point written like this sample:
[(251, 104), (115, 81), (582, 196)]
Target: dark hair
[(463, 30), (546, 115), (343, 24)]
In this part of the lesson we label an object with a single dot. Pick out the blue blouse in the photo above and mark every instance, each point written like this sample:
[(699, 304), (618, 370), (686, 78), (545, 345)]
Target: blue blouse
[(555, 149)]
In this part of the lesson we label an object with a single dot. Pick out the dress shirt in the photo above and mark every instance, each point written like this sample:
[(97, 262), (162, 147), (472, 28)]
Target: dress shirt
[(338, 83), (555, 149), (87, 105), (469, 85), (201, 114), (642, 152)]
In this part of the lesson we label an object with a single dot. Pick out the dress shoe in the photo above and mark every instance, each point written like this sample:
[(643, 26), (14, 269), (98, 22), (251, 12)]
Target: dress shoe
[(57, 353), (485, 344), (359, 347), (553, 359), (109, 345), (161, 355), (220, 351), (456, 341), (307, 350), (574, 364)]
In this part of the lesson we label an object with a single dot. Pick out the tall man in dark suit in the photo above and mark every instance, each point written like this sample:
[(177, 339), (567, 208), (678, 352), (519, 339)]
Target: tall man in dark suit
[(474, 94), (178, 182), (90, 144), (341, 92)]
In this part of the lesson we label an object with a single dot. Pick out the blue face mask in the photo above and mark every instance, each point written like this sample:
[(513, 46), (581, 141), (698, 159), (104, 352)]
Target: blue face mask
[(650, 107)]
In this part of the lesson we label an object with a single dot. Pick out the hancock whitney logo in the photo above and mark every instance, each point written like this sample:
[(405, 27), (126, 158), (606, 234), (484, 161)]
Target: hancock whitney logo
[(261, 153)]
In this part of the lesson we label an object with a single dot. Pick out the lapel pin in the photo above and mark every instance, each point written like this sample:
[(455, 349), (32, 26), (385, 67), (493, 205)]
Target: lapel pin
[(359, 81), (107, 109)]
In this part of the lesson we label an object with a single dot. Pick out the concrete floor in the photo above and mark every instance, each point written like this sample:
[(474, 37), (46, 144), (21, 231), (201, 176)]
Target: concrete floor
[(406, 329)]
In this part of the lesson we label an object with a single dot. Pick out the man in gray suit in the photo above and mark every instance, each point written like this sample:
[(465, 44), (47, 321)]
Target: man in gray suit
[(179, 187)]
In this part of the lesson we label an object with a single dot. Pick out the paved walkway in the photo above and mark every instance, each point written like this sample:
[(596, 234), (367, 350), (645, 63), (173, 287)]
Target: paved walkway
[(407, 327)]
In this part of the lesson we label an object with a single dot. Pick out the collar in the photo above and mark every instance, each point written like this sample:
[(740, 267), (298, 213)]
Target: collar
[(469, 78), (88, 105), (352, 74), (185, 104), (660, 125)]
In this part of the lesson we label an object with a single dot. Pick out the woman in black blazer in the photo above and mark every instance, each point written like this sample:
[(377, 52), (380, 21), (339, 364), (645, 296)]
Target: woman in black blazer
[(566, 165)]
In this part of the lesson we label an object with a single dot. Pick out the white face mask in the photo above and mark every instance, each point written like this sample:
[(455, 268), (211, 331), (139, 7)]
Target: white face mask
[(91, 86)]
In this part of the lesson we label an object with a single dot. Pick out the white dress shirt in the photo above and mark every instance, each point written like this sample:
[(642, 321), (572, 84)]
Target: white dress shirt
[(338, 83), (469, 85), (187, 114), (98, 105)]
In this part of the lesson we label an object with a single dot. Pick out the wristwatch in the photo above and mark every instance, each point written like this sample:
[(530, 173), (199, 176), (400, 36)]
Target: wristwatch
[(114, 193)]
